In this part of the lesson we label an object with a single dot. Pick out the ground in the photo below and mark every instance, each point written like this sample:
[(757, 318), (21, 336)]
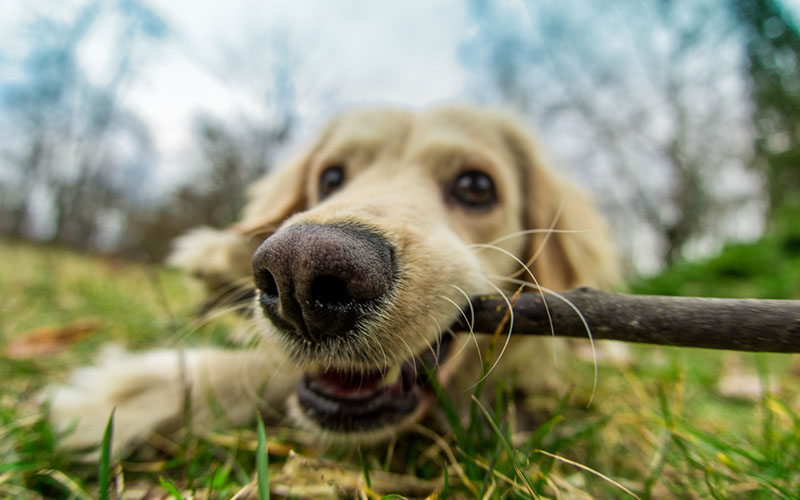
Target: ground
[(660, 425)]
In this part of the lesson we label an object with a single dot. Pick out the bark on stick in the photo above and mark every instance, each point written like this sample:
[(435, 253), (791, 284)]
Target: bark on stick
[(734, 324)]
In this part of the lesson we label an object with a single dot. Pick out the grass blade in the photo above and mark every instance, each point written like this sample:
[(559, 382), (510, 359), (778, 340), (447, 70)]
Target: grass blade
[(171, 488), (590, 470), (508, 447), (104, 473), (364, 468), (446, 485), (446, 405), (490, 469), (65, 481), (262, 462)]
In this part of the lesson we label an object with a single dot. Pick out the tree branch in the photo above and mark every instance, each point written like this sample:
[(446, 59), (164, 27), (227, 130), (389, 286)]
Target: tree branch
[(734, 324)]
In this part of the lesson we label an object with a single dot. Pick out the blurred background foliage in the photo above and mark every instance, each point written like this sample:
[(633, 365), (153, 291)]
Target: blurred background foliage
[(681, 116), (767, 268)]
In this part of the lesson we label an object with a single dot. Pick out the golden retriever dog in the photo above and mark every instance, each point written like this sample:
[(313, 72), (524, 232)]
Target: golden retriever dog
[(361, 253)]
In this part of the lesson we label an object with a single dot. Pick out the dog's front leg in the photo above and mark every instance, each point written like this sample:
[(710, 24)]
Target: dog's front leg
[(154, 390)]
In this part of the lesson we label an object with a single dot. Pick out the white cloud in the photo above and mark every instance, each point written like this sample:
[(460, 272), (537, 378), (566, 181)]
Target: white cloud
[(358, 52), (219, 56)]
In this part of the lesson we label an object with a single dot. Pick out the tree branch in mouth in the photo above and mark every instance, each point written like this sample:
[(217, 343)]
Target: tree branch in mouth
[(733, 324)]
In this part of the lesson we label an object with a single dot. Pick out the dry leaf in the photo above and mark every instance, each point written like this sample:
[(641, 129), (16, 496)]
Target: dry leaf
[(50, 339)]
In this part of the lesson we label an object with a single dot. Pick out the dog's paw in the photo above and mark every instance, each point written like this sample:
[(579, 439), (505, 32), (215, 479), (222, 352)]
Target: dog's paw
[(152, 391), (145, 390), (217, 257)]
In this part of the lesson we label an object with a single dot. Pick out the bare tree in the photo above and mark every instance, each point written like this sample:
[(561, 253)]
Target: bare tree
[(773, 57), (75, 156), (232, 150), (649, 94)]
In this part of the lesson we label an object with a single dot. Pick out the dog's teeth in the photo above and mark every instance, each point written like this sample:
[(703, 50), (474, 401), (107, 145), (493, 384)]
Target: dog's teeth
[(391, 376)]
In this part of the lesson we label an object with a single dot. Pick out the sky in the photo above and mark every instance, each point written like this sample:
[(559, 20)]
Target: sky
[(365, 58), (216, 56), (364, 52), (359, 52), (219, 59), (356, 51)]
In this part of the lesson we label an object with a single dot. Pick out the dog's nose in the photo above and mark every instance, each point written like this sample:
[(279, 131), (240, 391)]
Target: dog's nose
[(319, 280)]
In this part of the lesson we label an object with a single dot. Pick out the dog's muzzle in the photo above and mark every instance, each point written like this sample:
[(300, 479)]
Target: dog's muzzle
[(320, 285)]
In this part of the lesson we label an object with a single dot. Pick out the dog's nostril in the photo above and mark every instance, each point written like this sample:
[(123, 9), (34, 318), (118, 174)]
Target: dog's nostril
[(265, 282), (330, 290)]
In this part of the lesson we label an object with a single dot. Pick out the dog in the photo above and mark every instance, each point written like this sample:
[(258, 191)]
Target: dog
[(360, 254)]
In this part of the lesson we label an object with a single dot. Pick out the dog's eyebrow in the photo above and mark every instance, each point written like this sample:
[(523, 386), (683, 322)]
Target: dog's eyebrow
[(349, 147), (462, 153)]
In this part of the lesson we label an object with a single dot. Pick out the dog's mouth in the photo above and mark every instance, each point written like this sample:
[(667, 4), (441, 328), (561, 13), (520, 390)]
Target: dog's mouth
[(370, 399)]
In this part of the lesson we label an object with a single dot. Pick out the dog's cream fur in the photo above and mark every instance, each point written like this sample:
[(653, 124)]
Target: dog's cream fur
[(397, 164)]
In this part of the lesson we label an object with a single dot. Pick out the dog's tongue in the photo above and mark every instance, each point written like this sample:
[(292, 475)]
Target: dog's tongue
[(349, 385)]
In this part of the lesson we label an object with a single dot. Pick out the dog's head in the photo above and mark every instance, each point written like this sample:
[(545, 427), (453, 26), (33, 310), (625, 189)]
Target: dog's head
[(378, 234)]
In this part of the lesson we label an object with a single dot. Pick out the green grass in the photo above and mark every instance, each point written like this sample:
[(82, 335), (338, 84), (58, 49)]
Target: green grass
[(765, 269), (262, 463), (657, 427)]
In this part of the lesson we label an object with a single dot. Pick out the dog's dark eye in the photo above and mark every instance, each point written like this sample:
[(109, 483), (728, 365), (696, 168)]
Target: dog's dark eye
[(474, 189), (330, 180)]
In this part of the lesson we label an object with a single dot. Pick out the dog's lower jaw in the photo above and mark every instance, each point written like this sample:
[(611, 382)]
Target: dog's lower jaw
[(349, 422), (328, 437)]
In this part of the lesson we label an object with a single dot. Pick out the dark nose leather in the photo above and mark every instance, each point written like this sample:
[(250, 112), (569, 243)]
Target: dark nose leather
[(320, 280)]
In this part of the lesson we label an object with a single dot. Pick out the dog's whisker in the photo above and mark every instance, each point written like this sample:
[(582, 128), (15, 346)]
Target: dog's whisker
[(588, 334), (540, 290), (435, 351), (380, 351), (439, 350), (508, 337), (221, 311), (526, 268), (413, 356), (227, 292), (195, 324), (385, 360), (572, 306), (256, 389), (229, 286), (465, 344), (460, 310), (241, 282), (470, 322), (523, 268), (540, 248), (251, 332), (526, 232), (218, 312), (469, 303), (547, 235)]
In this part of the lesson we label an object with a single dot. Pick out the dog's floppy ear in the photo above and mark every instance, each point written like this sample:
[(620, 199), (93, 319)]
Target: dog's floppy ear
[(578, 250), (274, 198)]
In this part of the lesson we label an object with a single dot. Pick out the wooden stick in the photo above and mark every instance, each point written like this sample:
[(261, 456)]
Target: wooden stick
[(734, 324)]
